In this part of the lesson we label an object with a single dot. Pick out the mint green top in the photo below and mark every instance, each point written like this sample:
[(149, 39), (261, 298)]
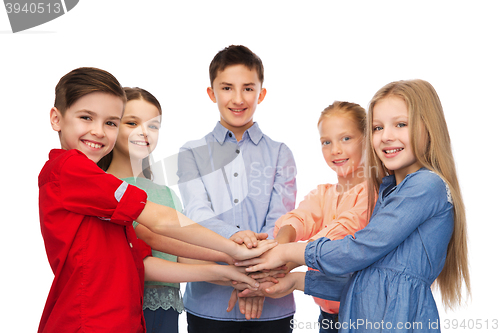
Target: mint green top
[(160, 294)]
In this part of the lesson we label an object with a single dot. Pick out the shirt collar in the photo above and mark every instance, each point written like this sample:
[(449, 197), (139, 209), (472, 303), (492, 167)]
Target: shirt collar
[(221, 133)]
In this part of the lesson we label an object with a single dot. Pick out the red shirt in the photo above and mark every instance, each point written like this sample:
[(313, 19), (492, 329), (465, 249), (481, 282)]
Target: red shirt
[(86, 221)]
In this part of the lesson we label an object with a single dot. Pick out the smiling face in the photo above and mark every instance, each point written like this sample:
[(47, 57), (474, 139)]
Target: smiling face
[(139, 130), (391, 137), (342, 146), (237, 92), (90, 124)]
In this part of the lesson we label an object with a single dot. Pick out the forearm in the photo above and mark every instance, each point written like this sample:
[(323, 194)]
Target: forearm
[(157, 269), (178, 247), (286, 234), (294, 252), (169, 222)]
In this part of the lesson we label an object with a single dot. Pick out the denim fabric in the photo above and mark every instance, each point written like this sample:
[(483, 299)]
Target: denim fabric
[(229, 186), (396, 257)]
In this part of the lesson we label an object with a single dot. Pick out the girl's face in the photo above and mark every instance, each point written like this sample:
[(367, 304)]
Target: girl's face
[(342, 144), (391, 137), (139, 129)]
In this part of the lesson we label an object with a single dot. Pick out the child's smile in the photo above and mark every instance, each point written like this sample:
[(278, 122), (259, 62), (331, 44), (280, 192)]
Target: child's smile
[(391, 137), (237, 92), (90, 124), (342, 144)]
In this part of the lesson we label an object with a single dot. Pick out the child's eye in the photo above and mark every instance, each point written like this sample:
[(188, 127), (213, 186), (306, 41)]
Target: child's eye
[(248, 89), (111, 123), (85, 118), (401, 125), (131, 123), (154, 127), (346, 138), (324, 143), (377, 128), (226, 88)]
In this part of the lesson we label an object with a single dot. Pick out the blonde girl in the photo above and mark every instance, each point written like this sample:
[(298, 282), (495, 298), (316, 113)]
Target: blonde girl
[(333, 210), (417, 231)]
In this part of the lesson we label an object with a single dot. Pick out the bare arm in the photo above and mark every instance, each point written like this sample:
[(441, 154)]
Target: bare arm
[(180, 248), (157, 269), (169, 222), (277, 257), (286, 234)]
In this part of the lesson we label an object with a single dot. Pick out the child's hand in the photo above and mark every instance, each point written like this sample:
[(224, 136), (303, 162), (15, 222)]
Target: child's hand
[(233, 273), (242, 252), (251, 307), (259, 292), (286, 285), (271, 273), (248, 237), (269, 260)]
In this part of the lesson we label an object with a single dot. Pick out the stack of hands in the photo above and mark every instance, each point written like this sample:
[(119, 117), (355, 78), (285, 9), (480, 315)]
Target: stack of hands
[(269, 273)]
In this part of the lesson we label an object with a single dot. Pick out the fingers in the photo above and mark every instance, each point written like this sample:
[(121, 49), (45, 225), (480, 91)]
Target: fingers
[(243, 278), (264, 246), (256, 268), (250, 241), (235, 238), (247, 237), (267, 279), (261, 236), (232, 300), (251, 307)]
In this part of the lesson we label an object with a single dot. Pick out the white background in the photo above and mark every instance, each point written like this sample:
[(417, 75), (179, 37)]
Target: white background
[(313, 54)]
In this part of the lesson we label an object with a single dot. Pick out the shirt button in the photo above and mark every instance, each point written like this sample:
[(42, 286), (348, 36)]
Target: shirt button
[(230, 135), (238, 226), (236, 174), (236, 200), (130, 245), (237, 151)]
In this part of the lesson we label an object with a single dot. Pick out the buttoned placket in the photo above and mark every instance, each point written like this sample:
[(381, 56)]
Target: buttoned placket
[(235, 176)]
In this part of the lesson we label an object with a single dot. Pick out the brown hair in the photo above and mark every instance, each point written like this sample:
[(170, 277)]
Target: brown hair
[(83, 81), (425, 115), (133, 94), (235, 55)]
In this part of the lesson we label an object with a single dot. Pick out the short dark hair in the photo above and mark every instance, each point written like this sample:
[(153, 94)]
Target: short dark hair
[(236, 55), (83, 81)]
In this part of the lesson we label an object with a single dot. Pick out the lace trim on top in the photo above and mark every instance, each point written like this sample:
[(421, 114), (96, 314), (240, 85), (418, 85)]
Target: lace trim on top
[(448, 192), (164, 297)]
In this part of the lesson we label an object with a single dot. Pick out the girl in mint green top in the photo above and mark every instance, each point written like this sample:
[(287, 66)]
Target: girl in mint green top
[(160, 294), (129, 160)]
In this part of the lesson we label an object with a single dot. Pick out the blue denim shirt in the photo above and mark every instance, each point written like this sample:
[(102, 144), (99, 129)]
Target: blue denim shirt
[(228, 186), (396, 257)]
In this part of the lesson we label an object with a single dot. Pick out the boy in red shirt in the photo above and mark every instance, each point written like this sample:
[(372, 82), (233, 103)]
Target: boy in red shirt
[(86, 219)]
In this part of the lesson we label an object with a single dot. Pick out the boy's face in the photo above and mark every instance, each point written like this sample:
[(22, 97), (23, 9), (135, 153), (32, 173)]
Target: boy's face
[(237, 91), (90, 124)]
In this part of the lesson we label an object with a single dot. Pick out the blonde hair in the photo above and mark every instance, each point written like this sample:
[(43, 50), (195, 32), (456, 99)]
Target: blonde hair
[(351, 110), (425, 115)]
